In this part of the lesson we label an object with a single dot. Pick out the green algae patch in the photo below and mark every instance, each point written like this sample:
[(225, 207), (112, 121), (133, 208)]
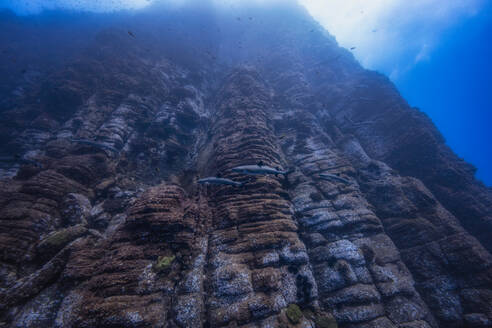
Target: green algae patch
[(57, 240), (294, 313), (60, 238), (164, 262)]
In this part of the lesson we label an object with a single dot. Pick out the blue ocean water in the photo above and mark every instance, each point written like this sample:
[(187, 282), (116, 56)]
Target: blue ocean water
[(454, 87)]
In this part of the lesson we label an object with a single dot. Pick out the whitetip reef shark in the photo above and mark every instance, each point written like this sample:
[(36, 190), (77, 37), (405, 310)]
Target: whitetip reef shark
[(260, 169)]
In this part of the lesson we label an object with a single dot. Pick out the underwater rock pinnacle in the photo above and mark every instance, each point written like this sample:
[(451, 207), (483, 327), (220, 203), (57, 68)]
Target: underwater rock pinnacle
[(376, 223)]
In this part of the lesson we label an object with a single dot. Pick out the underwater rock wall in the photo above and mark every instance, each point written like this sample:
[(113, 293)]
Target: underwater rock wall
[(102, 223)]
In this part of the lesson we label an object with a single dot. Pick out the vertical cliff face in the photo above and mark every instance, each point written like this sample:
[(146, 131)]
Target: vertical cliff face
[(102, 223)]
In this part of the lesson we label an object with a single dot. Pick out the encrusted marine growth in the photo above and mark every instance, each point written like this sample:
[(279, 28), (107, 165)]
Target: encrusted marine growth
[(329, 201)]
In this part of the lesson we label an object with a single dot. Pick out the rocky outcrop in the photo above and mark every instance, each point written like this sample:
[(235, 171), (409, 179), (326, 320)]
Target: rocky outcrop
[(130, 277), (258, 264), (102, 224)]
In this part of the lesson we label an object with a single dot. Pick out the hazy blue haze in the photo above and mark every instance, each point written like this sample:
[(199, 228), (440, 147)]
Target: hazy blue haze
[(453, 84)]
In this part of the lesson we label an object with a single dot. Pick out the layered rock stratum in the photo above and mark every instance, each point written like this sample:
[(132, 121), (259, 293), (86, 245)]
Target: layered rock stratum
[(102, 223)]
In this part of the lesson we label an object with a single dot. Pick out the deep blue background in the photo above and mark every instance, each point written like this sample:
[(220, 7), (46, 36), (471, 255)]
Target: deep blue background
[(454, 87)]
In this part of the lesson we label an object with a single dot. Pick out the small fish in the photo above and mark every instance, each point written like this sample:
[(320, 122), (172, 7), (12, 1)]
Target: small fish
[(332, 177), (260, 169), (130, 33), (353, 48), (220, 181)]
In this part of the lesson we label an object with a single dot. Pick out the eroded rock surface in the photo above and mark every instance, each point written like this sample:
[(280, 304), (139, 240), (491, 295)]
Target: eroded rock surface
[(102, 223)]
